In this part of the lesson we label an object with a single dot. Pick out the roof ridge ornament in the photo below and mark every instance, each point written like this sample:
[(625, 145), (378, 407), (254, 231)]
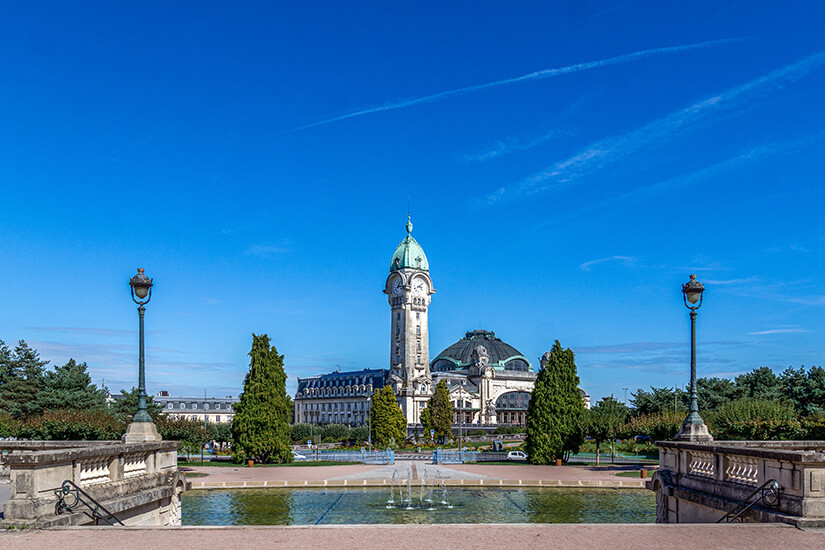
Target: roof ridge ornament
[(409, 225)]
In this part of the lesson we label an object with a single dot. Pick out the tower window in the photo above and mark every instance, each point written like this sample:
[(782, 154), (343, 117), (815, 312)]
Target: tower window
[(417, 315), (418, 329)]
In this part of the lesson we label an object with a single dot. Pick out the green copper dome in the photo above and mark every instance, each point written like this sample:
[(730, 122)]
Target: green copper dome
[(409, 253)]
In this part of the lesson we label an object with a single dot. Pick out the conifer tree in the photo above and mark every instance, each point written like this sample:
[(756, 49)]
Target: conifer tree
[(386, 418), (70, 387), (125, 406), (438, 415), (260, 426), (554, 415), (21, 377)]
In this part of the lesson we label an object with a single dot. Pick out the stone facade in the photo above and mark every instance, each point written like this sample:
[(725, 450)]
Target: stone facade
[(337, 397), (701, 482), (138, 483)]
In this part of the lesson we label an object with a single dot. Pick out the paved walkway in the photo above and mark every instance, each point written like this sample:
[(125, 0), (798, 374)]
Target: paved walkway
[(417, 469), (416, 537)]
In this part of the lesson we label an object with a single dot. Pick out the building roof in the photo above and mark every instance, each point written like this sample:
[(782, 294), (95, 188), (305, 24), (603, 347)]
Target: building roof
[(502, 355), (374, 377), (409, 253)]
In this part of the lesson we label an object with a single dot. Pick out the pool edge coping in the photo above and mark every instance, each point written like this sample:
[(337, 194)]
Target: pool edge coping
[(338, 483)]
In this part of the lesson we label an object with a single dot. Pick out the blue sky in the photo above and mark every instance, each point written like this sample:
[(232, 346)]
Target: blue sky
[(568, 165)]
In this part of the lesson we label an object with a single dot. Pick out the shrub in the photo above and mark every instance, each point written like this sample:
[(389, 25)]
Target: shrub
[(661, 426), (72, 425), (301, 432), (335, 433), (755, 419), (359, 434)]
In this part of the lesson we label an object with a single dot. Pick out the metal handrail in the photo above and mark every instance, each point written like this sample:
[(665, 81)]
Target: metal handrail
[(81, 497), (769, 493)]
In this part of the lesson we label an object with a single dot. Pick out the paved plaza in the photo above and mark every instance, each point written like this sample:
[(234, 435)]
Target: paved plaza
[(415, 537)]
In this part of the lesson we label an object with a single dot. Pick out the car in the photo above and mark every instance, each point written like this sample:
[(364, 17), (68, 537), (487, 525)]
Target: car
[(516, 455), (297, 456)]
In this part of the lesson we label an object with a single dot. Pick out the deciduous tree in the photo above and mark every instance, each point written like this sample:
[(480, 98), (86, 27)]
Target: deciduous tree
[(605, 421)]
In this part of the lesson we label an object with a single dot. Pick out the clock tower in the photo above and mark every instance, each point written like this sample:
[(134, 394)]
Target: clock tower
[(408, 289)]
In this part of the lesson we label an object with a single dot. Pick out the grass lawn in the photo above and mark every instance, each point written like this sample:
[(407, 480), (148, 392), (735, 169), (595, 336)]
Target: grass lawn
[(299, 463), (635, 474)]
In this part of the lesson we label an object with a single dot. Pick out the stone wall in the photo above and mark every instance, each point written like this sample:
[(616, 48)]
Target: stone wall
[(138, 483), (701, 482)]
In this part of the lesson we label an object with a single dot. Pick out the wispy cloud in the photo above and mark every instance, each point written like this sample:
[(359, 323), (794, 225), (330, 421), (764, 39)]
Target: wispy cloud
[(777, 331), (627, 260), (266, 250), (538, 75), (511, 145), (85, 330), (728, 282), (613, 149)]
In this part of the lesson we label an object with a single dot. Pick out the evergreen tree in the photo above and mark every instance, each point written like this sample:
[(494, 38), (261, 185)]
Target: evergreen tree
[(21, 377), (260, 427), (554, 415), (386, 418), (605, 421), (438, 415), (70, 387), (125, 406), (760, 383)]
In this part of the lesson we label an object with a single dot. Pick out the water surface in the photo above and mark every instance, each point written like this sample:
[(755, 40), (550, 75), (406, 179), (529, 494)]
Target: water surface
[(291, 506)]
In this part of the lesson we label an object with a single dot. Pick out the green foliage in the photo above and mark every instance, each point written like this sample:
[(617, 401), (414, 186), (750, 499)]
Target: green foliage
[(359, 434), (70, 387), (554, 415), (509, 430), (125, 406), (21, 378), (301, 432), (760, 383), (605, 421), (438, 415), (192, 434), (660, 426), (387, 419), (715, 391), (71, 425), (333, 433), (219, 432), (260, 427), (754, 419), (658, 400)]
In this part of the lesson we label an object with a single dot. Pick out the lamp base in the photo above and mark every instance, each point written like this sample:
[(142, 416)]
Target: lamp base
[(141, 432), (694, 432)]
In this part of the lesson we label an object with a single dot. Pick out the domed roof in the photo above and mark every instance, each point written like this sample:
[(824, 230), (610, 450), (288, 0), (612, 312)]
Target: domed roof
[(409, 253), (502, 355)]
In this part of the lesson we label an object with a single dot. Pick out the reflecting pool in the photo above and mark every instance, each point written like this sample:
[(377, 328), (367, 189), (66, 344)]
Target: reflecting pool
[(376, 505)]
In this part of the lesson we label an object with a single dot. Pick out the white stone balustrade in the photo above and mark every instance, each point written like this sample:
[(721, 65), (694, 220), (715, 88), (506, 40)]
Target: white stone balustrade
[(700, 482), (741, 469), (701, 464), (138, 482)]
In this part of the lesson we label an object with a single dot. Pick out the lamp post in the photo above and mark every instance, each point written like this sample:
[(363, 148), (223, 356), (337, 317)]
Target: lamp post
[(141, 429), (369, 422), (693, 428), (461, 425)]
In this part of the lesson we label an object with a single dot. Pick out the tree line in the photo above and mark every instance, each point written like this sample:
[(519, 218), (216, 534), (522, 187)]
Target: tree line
[(62, 403)]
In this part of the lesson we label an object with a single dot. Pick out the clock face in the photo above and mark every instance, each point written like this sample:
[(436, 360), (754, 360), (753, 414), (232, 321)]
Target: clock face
[(419, 287), (397, 287)]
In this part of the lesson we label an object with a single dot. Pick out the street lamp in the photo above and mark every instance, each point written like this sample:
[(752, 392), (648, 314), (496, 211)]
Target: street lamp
[(369, 422), (141, 429), (461, 422), (693, 428)]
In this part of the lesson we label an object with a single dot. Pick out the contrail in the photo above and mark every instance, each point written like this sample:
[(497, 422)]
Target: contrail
[(538, 75), (612, 149)]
